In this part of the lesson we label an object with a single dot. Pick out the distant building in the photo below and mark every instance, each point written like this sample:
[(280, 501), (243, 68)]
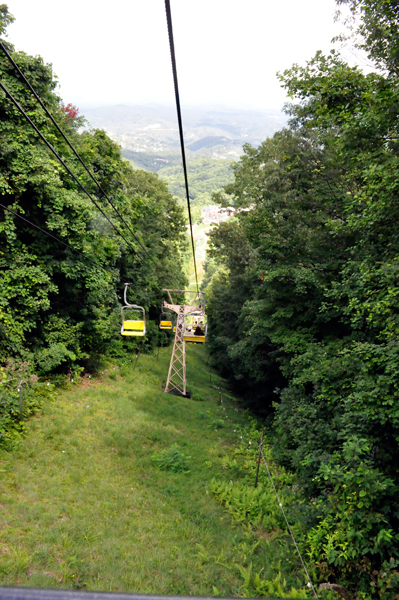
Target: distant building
[(215, 214)]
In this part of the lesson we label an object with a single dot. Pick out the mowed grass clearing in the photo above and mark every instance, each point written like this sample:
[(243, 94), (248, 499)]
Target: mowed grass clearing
[(83, 504)]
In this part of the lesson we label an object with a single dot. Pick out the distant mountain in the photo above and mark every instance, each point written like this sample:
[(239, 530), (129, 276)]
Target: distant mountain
[(209, 142), (150, 161), (152, 130)]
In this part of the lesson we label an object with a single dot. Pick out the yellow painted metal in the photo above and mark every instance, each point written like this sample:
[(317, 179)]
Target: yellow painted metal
[(136, 328), (190, 338)]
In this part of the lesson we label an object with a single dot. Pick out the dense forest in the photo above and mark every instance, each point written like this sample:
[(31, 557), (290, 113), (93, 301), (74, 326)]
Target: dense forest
[(60, 305), (303, 296), (206, 175), (150, 161)]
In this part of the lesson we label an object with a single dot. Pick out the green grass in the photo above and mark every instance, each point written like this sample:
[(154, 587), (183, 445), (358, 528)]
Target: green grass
[(85, 504)]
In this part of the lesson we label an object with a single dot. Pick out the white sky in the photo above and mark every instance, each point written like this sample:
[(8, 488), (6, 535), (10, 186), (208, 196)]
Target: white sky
[(228, 51)]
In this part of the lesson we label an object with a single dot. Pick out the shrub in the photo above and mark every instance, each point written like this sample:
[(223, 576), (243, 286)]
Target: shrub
[(172, 459)]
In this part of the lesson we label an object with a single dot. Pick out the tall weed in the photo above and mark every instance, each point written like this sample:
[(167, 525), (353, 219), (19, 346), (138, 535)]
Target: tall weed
[(172, 459)]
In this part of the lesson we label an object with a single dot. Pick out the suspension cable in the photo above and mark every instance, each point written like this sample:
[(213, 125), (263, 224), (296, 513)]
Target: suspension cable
[(50, 116), (56, 238), (21, 110), (183, 154)]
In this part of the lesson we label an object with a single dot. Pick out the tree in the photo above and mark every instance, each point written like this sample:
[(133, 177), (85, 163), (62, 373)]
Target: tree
[(378, 28), (57, 309), (317, 214)]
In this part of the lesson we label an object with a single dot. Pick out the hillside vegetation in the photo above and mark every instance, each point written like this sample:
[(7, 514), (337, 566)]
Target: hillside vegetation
[(206, 176), (119, 487), (107, 482), (303, 302), (58, 310)]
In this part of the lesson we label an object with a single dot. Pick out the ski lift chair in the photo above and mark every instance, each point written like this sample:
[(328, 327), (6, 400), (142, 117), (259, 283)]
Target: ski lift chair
[(133, 318), (193, 320), (166, 320)]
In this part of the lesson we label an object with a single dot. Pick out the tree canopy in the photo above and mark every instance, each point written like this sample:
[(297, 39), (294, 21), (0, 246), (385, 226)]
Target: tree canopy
[(57, 309), (303, 304)]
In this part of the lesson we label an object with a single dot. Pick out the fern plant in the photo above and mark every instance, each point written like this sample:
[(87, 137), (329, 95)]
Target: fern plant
[(254, 506), (172, 459)]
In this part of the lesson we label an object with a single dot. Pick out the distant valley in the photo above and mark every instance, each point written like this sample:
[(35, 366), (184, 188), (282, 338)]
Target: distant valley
[(214, 139), (150, 139)]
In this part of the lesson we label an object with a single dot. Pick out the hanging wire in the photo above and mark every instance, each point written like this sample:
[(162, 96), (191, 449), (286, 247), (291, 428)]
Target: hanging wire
[(56, 239), (21, 110), (183, 154), (310, 584), (36, 95)]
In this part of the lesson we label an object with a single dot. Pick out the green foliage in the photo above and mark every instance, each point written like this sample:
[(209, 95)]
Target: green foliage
[(5, 18), (256, 587), (16, 408), (375, 30), (152, 162), (254, 506), (303, 303), (57, 309), (172, 459), (206, 176)]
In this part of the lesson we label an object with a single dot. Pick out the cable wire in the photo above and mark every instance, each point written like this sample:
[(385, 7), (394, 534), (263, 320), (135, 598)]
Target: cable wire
[(55, 238), (21, 110), (50, 116), (183, 154), (310, 584)]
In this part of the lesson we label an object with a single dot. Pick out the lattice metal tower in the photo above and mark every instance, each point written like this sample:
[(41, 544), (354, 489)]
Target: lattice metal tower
[(176, 382)]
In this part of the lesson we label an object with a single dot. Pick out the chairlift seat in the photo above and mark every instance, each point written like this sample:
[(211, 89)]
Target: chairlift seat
[(133, 318), (166, 320), (136, 328), (190, 338)]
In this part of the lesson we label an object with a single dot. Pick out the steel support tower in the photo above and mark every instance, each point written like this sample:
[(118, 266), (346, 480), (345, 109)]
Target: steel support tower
[(177, 382)]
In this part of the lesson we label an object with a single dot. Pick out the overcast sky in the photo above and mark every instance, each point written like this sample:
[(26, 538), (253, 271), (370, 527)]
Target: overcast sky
[(228, 51)]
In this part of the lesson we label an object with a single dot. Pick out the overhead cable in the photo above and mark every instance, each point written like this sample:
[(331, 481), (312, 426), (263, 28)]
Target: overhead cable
[(55, 238), (21, 110), (183, 154), (50, 116)]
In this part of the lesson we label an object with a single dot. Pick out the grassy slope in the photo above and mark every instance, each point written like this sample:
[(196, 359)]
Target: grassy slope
[(83, 505)]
